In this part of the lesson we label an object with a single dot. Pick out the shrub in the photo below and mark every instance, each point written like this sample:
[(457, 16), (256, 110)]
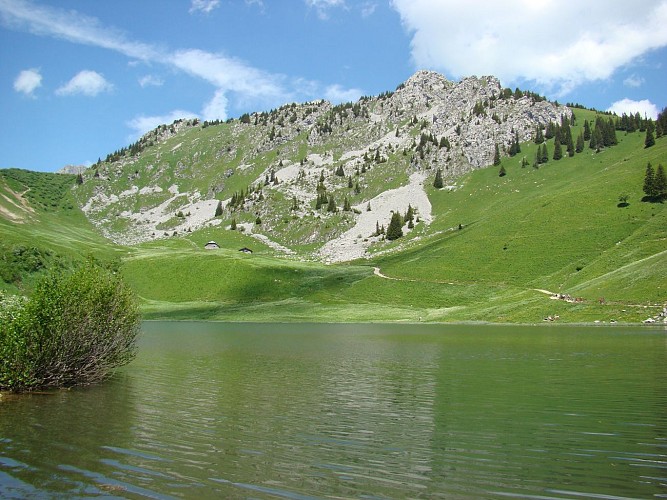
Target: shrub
[(75, 329)]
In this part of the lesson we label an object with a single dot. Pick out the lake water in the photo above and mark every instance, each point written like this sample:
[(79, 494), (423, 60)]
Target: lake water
[(214, 410)]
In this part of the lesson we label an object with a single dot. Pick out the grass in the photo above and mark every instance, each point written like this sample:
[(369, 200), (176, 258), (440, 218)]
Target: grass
[(557, 228)]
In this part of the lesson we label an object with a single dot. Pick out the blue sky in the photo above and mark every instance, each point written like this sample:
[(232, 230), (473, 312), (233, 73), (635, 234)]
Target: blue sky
[(82, 78)]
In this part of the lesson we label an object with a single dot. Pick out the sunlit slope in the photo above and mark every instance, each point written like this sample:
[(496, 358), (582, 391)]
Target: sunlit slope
[(559, 227), (37, 210)]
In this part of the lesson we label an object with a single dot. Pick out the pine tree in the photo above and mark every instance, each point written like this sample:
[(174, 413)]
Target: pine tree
[(649, 182), (580, 143), (502, 171), (539, 137), (438, 183), (233, 226), (544, 156), (496, 155), (79, 179), (395, 229), (558, 150), (569, 142), (409, 214), (218, 209), (346, 205), (331, 206), (650, 138), (587, 131), (660, 182)]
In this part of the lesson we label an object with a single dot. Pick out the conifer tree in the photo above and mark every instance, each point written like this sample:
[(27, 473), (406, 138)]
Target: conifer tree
[(580, 143), (650, 138), (649, 181), (409, 214), (331, 206), (558, 150), (587, 131), (218, 209), (569, 143), (496, 155), (438, 183), (660, 182), (395, 229), (502, 171), (539, 137), (233, 225), (544, 157), (346, 205)]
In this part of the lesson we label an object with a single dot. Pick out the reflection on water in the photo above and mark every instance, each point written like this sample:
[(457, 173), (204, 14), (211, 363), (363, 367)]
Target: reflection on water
[(210, 410)]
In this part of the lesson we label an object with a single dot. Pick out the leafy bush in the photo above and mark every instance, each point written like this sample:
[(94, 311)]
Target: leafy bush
[(75, 329)]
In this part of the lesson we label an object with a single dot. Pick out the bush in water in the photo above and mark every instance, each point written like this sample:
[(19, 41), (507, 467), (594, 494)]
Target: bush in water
[(76, 328)]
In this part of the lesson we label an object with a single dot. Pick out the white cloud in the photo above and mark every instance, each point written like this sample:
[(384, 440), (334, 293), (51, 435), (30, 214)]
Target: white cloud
[(228, 73), (628, 106), (542, 41), (337, 94), (322, 7), (216, 108), (633, 81), (86, 82), (68, 25), (204, 6), (150, 81), (28, 81), (142, 124)]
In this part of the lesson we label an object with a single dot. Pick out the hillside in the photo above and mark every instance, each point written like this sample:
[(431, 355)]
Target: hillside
[(484, 247), (275, 165)]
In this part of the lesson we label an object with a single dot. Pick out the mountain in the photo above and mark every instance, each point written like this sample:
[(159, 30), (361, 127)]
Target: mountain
[(377, 152), (525, 226)]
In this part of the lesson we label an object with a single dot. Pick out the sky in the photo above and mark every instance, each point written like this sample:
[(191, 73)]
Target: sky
[(82, 78)]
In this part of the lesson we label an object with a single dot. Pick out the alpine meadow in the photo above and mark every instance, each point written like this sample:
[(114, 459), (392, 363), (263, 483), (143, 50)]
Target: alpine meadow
[(438, 202)]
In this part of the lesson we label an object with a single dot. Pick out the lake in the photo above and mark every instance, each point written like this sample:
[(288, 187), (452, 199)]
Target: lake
[(301, 411)]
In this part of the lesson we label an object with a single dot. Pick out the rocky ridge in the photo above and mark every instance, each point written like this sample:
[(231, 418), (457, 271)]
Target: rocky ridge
[(387, 148)]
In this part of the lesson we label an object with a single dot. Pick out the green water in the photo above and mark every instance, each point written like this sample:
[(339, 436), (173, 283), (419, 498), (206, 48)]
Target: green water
[(213, 410)]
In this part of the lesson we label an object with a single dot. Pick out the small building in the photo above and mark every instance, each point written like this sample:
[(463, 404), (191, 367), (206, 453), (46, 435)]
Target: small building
[(211, 245), (245, 250)]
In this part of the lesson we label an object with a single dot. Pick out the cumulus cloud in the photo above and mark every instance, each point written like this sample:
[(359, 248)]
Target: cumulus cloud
[(204, 6), (529, 40), (322, 7), (142, 124), (86, 82), (150, 81), (236, 82), (628, 106), (337, 94), (28, 81)]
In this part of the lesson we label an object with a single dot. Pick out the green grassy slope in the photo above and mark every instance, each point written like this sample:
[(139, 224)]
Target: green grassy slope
[(39, 219), (557, 228)]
